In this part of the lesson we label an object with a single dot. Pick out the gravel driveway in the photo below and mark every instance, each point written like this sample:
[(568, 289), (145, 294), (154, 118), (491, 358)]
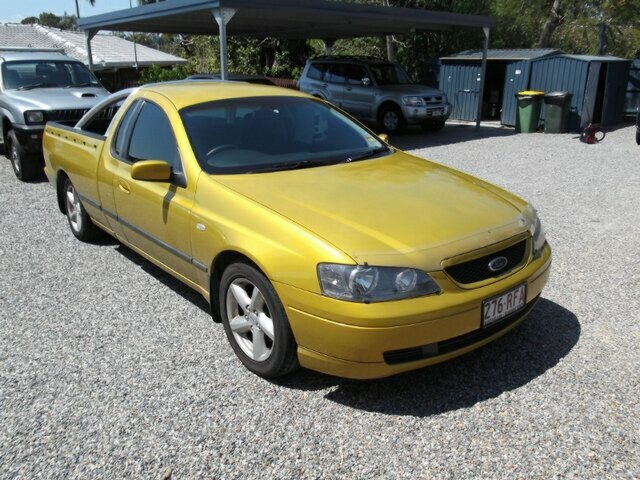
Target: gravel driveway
[(111, 369)]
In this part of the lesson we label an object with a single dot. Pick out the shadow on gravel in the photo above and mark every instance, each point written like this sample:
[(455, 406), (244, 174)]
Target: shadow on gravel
[(538, 344), (166, 279), (417, 139)]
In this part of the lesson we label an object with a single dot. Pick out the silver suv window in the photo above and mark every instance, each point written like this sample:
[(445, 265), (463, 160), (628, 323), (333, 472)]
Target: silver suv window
[(28, 74)]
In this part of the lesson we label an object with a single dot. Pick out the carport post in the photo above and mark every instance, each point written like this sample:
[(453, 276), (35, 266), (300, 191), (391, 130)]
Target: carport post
[(89, 34), (483, 73), (222, 16), (328, 45)]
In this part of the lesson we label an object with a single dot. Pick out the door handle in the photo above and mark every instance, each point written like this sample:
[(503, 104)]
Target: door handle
[(124, 186), (349, 89)]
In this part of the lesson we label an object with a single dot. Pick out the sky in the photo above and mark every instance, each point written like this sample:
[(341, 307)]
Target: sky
[(16, 10)]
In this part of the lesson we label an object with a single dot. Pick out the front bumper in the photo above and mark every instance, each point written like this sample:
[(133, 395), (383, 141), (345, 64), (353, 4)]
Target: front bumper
[(30, 137), (415, 115), (356, 340)]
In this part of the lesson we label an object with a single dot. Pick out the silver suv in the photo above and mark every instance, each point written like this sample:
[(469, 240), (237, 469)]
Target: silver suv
[(375, 90), (36, 87)]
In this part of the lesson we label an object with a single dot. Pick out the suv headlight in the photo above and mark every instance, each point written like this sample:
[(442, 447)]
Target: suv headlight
[(538, 235), (413, 101), (357, 283), (34, 116)]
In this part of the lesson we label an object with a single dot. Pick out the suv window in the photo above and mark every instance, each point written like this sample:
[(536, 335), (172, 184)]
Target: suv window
[(152, 138), (335, 74), (316, 71), (28, 74), (355, 73)]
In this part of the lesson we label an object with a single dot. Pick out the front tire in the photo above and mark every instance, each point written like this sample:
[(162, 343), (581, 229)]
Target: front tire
[(79, 221), (391, 119), (26, 166), (255, 322)]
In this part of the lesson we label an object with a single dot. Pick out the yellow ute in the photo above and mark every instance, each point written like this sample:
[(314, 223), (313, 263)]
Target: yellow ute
[(316, 243)]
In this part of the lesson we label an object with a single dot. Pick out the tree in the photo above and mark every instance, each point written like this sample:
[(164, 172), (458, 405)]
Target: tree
[(48, 19), (553, 22)]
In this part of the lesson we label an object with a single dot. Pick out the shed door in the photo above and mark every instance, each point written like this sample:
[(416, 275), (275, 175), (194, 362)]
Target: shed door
[(614, 93), (515, 80), (591, 95), (461, 83)]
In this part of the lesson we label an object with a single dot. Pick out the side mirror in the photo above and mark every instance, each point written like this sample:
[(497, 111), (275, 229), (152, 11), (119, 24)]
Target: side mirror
[(151, 170), (384, 137), (366, 81)]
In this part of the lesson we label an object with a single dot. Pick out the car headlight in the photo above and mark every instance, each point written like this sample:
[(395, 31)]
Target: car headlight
[(413, 101), (34, 116), (538, 235), (357, 283)]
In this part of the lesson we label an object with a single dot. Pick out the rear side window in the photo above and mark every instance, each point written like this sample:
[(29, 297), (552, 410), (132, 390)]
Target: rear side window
[(152, 138), (335, 73), (123, 128), (316, 71)]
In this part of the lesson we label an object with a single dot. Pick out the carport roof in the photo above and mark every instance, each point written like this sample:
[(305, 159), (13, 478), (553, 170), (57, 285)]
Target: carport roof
[(281, 18)]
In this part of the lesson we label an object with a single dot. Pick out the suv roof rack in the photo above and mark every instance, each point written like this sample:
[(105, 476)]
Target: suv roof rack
[(351, 57)]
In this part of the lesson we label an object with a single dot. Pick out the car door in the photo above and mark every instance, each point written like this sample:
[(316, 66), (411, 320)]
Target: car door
[(335, 81), (155, 215), (357, 98)]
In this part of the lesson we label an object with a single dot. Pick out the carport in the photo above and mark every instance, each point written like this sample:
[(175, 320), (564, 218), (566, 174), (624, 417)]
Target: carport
[(301, 19)]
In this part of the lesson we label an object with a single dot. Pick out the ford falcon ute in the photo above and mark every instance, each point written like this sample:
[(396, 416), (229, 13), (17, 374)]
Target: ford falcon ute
[(316, 243)]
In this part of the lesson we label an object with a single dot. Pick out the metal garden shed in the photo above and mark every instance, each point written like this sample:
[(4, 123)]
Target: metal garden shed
[(598, 85), (508, 72)]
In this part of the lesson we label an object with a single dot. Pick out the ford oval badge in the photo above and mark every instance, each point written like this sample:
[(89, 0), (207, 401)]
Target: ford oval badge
[(498, 264)]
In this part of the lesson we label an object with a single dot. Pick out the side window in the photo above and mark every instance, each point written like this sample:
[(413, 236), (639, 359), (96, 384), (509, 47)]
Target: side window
[(355, 74), (316, 71), (335, 73), (152, 138), (123, 127)]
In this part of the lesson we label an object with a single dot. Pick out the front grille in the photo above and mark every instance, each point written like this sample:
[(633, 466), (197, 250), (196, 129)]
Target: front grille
[(66, 116), (395, 357), (435, 99), (477, 269)]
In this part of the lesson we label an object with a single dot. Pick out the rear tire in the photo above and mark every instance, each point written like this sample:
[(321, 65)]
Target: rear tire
[(79, 221), (255, 322), (26, 166), (391, 119)]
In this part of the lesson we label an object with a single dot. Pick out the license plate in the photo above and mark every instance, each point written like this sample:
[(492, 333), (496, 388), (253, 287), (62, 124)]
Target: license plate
[(435, 113), (503, 305)]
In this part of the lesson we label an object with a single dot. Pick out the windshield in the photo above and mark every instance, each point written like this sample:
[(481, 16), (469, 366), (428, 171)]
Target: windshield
[(25, 75), (261, 134), (390, 74)]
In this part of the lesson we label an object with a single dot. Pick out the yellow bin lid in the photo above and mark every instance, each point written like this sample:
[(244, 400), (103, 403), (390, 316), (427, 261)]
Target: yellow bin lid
[(531, 92)]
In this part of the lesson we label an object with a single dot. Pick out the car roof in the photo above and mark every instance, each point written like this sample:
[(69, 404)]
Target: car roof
[(9, 56), (184, 93)]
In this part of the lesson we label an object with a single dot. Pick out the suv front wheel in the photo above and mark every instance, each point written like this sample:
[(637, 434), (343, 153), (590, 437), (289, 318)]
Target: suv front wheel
[(25, 165), (391, 119)]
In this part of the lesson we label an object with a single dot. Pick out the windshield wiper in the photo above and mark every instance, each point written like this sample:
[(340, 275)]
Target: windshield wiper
[(369, 154), (291, 166), (37, 85)]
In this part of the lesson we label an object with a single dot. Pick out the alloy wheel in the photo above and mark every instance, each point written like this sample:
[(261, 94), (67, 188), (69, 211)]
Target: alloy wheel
[(250, 319), (73, 205)]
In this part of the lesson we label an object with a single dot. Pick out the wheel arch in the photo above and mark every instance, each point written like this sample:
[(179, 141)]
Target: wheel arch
[(388, 103), (60, 178), (218, 266)]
